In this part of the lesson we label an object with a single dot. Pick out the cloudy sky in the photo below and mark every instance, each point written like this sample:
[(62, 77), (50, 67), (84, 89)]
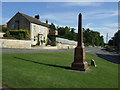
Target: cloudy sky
[(98, 16)]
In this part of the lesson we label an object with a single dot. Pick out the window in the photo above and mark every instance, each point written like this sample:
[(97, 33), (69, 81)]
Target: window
[(34, 27), (39, 28), (34, 38), (44, 38)]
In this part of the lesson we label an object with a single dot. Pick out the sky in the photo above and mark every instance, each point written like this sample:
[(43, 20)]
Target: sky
[(98, 16)]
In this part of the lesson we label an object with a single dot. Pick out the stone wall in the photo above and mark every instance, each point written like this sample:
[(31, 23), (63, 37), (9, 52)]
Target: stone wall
[(11, 43), (65, 46), (58, 46)]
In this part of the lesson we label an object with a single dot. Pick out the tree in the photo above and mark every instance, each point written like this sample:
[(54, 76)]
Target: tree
[(101, 41), (90, 37), (72, 34), (116, 40), (3, 29), (110, 42), (61, 32), (52, 26), (51, 36)]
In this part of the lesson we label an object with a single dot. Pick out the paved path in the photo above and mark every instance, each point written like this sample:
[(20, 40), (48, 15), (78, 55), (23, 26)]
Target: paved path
[(110, 56)]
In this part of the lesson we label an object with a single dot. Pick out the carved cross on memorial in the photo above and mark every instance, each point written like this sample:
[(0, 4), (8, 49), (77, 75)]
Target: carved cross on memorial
[(79, 53)]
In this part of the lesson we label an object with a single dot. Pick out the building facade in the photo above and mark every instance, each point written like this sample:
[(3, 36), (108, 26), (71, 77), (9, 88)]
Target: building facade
[(38, 30)]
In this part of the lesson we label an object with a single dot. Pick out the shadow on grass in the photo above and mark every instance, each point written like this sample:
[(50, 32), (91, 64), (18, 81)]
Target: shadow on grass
[(111, 58), (64, 67)]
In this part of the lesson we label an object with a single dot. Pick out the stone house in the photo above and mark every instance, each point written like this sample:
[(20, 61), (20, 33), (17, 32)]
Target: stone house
[(38, 30)]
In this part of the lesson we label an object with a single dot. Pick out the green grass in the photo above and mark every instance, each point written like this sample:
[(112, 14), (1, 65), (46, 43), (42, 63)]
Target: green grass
[(20, 72)]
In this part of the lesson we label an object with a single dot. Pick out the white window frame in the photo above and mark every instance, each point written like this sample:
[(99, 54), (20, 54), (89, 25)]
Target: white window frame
[(34, 27)]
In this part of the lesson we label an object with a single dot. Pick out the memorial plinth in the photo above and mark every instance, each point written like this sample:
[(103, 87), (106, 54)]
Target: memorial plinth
[(79, 53)]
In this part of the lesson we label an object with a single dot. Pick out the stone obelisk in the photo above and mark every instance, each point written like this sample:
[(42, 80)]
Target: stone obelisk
[(79, 53)]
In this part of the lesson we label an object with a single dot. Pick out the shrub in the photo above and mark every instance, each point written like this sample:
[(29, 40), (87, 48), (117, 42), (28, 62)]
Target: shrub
[(5, 29), (7, 34), (110, 48), (43, 41), (87, 44), (20, 34)]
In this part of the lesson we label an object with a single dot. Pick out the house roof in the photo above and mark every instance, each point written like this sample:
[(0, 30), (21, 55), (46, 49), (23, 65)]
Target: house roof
[(34, 20)]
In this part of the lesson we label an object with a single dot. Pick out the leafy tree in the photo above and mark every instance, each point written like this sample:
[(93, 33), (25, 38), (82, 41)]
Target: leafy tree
[(52, 27), (101, 41), (115, 41), (61, 31), (51, 36), (90, 37)]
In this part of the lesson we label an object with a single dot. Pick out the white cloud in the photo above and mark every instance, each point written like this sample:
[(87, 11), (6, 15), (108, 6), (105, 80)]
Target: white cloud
[(112, 25), (110, 28), (71, 17), (107, 25), (64, 26), (74, 4), (119, 26), (105, 30), (59, 25), (0, 20), (89, 25), (60, 1), (65, 18), (100, 14), (82, 4)]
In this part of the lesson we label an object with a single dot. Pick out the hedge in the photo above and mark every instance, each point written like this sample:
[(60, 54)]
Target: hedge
[(18, 34)]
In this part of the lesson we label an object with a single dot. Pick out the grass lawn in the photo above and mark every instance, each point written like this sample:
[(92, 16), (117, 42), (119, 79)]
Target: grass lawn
[(46, 70)]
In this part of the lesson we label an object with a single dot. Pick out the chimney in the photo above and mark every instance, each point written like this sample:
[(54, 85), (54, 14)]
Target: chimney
[(37, 16), (46, 21)]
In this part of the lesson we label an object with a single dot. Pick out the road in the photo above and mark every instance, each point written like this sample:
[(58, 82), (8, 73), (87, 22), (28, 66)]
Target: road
[(110, 56), (8, 50), (102, 53), (37, 50)]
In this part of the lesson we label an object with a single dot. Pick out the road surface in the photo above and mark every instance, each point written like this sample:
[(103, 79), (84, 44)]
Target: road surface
[(110, 56)]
